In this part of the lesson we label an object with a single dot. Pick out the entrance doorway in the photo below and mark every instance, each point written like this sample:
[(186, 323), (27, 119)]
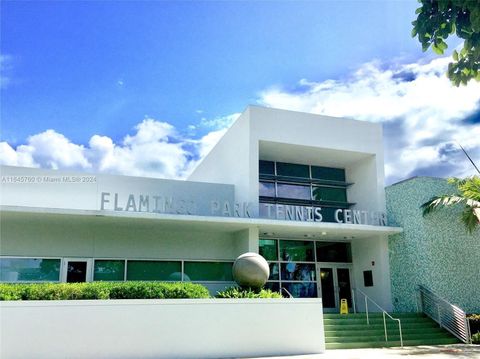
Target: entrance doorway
[(76, 270), (334, 284)]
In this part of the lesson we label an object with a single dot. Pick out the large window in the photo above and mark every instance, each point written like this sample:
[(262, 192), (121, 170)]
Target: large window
[(208, 271), (292, 170), (293, 263), (29, 270), (293, 191), (154, 270), (301, 251), (109, 270), (302, 185), (121, 269)]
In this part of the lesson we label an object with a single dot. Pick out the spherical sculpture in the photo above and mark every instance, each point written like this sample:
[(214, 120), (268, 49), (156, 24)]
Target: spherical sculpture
[(251, 270)]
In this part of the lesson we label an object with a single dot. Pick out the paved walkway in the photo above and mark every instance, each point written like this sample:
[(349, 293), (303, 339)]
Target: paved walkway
[(457, 351)]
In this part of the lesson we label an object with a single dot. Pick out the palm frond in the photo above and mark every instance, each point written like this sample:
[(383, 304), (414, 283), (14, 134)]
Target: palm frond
[(438, 202), (470, 219)]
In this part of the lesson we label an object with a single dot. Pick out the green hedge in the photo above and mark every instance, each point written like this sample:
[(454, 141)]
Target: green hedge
[(102, 290), (235, 292)]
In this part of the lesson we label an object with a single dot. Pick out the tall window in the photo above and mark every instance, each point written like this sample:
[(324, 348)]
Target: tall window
[(303, 185)]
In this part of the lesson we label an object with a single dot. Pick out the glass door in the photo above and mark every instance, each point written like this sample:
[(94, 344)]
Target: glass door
[(334, 284), (76, 270)]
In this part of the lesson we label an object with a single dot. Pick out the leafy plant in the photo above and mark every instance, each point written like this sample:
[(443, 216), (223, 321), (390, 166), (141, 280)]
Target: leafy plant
[(437, 20), (101, 290), (468, 194), (236, 292), (476, 338)]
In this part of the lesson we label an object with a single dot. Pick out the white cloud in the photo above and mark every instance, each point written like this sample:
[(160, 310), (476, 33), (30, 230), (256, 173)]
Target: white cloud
[(423, 114), (219, 123), (154, 150)]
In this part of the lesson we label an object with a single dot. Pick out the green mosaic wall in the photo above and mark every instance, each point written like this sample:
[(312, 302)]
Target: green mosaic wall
[(435, 251)]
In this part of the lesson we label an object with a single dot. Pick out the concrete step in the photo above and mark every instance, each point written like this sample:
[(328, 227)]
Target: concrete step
[(352, 331), (380, 331), (380, 338), (383, 344)]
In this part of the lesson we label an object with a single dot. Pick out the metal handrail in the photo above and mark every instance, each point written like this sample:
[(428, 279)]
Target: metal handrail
[(447, 315), (384, 312), (286, 291)]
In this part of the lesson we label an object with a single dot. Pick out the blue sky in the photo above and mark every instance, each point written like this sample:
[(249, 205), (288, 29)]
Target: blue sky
[(113, 69)]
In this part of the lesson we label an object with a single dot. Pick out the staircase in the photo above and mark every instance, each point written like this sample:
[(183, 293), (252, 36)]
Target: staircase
[(352, 331)]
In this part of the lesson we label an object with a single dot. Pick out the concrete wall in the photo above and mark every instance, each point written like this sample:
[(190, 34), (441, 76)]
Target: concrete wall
[(33, 187), (298, 138), (37, 234), (160, 328), (435, 251), (372, 254), (229, 161)]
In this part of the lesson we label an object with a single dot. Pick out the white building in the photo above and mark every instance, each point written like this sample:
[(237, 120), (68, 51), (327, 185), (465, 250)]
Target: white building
[(306, 191)]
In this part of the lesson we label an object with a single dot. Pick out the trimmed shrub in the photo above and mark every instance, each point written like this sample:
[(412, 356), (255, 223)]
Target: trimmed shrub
[(474, 320), (476, 338), (236, 292), (101, 290)]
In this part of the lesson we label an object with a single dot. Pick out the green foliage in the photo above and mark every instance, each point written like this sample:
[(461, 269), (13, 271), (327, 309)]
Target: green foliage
[(474, 317), (476, 338), (101, 290), (437, 20), (236, 292), (468, 195)]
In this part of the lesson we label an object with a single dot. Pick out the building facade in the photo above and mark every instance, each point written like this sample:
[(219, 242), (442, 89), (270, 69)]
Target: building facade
[(435, 251), (305, 191)]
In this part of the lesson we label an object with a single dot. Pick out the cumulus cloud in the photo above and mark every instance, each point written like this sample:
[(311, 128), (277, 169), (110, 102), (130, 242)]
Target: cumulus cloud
[(155, 149), (424, 116)]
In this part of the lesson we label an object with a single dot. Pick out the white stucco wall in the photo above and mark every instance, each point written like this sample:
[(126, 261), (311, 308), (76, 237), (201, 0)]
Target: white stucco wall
[(50, 235), (160, 328), (298, 137), (33, 187), (230, 160), (372, 254)]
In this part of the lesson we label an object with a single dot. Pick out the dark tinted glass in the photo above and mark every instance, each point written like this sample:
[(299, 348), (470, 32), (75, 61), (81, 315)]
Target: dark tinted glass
[(293, 191), (328, 214), (268, 249), (29, 269), (334, 252), (274, 271), (208, 271), (273, 286), (76, 271), (298, 271), (266, 168), (330, 194), (292, 170), (267, 189), (109, 270), (327, 173), (296, 251), (154, 270), (328, 287), (301, 290)]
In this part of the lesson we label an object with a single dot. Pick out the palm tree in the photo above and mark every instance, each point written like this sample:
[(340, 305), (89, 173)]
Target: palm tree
[(468, 194)]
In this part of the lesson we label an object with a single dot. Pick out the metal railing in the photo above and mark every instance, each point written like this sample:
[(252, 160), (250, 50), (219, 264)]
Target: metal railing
[(384, 313), (447, 315), (283, 289)]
